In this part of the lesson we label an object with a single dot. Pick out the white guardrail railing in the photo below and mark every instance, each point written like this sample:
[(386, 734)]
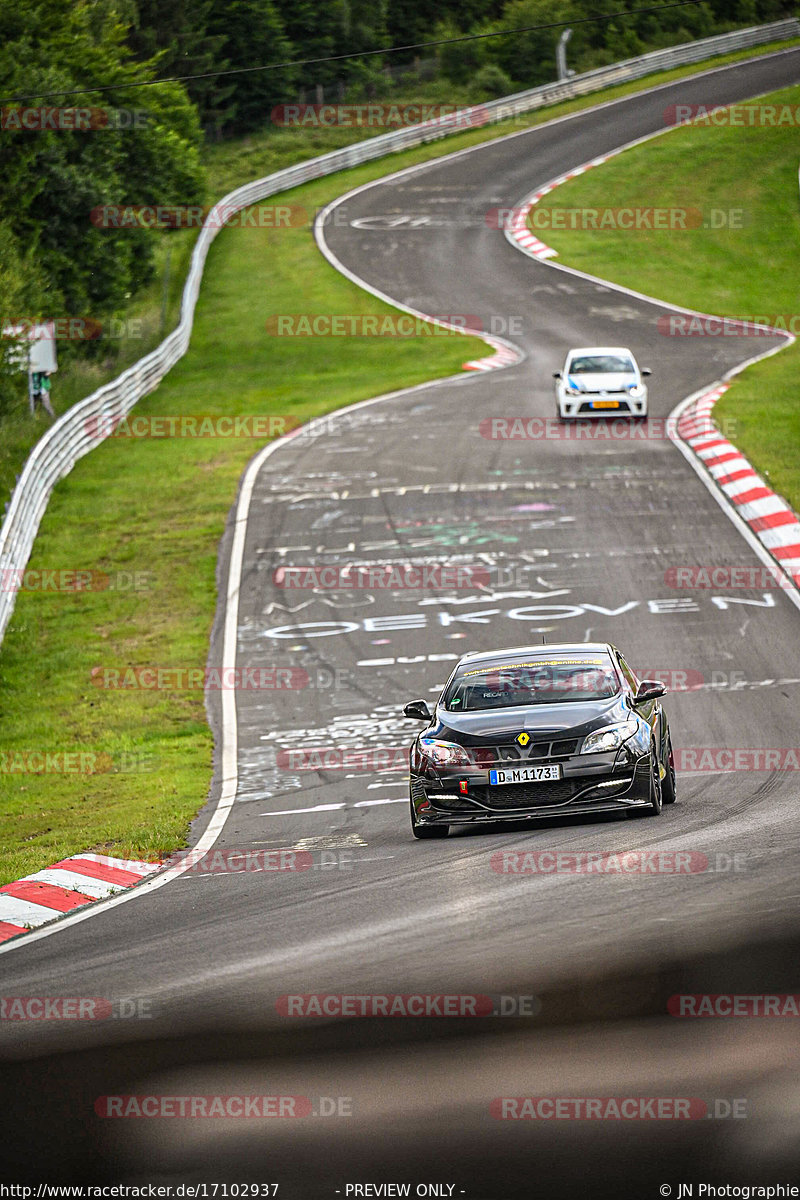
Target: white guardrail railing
[(88, 422)]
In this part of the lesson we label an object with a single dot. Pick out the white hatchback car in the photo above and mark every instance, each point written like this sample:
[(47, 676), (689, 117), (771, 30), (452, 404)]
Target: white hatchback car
[(597, 380)]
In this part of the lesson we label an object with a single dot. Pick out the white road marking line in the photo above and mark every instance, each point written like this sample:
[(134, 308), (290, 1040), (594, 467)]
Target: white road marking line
[(383, 800), (333, 841), (288, 812)]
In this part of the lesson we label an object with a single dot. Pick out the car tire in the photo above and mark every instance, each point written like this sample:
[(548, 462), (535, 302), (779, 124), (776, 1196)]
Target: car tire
[(656, 795), (668, 787), (425, 833)]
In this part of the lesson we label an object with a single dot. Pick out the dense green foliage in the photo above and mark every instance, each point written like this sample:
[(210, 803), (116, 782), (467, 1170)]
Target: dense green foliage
[(137, 146)]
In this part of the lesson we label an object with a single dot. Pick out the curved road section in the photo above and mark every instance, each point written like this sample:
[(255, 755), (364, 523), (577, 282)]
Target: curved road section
[(567, 540)]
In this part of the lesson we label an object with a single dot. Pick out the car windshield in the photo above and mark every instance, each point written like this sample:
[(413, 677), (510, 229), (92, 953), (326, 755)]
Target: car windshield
[(554, 680), (600, 364)]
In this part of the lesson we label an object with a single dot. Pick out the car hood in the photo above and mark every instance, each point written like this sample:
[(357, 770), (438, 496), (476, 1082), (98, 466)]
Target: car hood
[(606, 381), (578, 719)]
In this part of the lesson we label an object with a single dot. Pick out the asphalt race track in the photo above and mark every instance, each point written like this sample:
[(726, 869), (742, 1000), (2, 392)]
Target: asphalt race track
[(578, 538)]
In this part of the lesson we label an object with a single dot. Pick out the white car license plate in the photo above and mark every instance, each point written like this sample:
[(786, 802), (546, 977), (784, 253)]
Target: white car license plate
[(525, 774)]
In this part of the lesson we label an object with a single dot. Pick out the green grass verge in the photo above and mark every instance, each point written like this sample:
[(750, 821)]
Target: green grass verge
[(158, 507), (749, 270)]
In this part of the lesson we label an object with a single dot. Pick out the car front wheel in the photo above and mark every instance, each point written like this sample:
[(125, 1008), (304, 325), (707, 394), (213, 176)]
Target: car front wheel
[(426, 832), (656, 795), (668, 787)]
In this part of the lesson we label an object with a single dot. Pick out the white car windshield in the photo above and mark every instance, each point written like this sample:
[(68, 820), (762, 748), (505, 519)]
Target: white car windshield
[(557, 680), (598, 364)]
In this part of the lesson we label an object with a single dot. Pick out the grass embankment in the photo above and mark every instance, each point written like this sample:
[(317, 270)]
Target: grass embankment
[(748, 267), (158, 507)]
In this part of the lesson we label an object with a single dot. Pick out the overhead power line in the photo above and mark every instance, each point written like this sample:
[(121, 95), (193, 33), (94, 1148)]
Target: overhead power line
[(309, 62)]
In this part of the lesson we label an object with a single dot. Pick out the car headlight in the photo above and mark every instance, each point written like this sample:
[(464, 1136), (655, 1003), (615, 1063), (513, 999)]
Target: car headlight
[(610, 738), (635, 389), (574, 388), (444, 754)]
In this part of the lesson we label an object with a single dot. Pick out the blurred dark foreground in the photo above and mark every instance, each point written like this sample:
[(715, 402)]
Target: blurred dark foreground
[(409, 1101)]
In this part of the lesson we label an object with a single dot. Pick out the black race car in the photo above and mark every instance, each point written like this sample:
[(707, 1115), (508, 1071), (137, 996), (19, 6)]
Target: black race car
[(539, 731)]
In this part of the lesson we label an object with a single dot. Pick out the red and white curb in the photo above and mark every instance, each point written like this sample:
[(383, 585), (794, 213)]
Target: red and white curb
[(504, 356), (518, 229), (769, 517), (67, 885)]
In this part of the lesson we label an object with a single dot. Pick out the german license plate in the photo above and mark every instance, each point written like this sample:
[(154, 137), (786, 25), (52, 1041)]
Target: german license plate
[(525, 775), (605, 404)]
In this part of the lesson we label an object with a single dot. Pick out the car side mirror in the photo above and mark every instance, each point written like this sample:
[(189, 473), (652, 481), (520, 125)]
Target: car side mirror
[(645, 371), (417, 710), (556, 374), (649, 689)]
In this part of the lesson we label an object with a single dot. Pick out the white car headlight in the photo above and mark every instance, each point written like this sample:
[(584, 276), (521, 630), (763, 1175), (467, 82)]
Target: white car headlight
[(610, 738), (444, 754), (635, 389)]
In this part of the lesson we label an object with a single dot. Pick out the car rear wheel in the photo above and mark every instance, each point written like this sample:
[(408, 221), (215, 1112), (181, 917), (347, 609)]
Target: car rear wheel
[(668, 786), (426, 832)]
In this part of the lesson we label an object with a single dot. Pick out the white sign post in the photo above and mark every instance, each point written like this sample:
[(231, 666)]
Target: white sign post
[(39, 360)]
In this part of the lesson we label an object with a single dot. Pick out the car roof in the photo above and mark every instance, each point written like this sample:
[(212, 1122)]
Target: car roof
[(490, 656)]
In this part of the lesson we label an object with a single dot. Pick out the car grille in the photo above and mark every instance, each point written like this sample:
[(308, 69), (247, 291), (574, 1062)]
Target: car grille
[(562, 749), (537, 751), (534, 795), (508, 753)]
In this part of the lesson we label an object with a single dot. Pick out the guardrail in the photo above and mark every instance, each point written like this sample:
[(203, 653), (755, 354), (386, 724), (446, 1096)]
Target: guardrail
[(83, 427)]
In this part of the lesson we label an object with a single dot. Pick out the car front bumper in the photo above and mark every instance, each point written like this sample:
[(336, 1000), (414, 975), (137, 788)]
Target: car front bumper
[(614, 404), (589, 784)]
